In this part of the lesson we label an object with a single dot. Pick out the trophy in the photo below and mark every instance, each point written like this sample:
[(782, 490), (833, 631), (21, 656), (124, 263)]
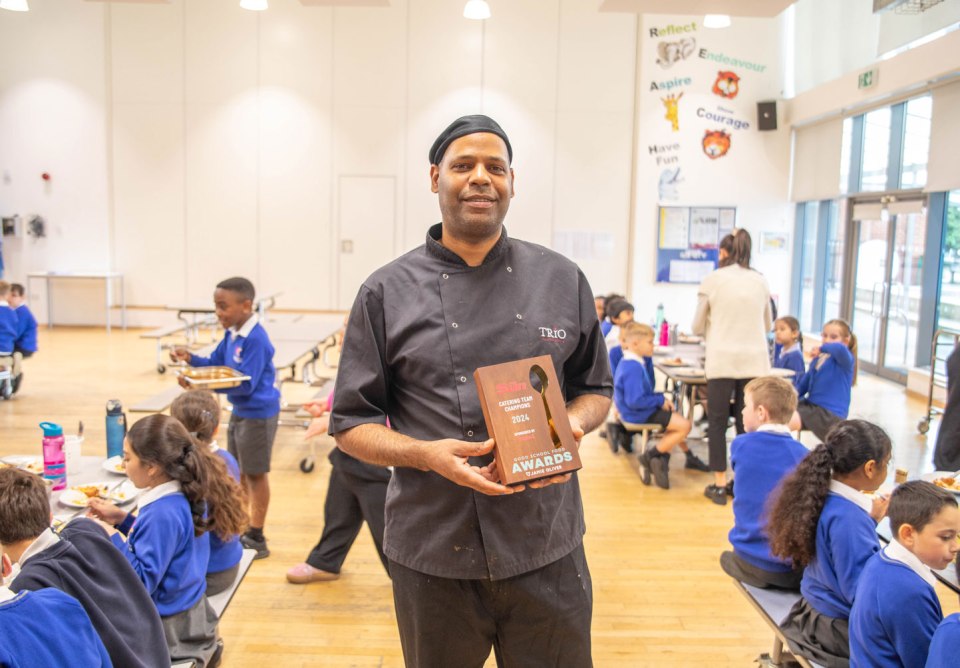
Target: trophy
[(526, 415)]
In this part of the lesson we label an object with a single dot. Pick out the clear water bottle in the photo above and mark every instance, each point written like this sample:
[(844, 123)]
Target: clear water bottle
[(54, 458), (659, 321), (116, 428)]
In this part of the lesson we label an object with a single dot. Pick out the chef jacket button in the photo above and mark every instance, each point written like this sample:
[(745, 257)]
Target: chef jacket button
[(509, 268), (470, 432), (519, 317), (454, 325), (463, 379), (445, 276)]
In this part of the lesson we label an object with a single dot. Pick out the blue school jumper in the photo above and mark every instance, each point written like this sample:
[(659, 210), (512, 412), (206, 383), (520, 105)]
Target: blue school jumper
[(829, 386), (224, 555), (633, 389), (170, 561), (251, 355), (760, 460), (8, 328), (84, 564), (48, 628), (946, 640), (791, 358), (605, 327), (894, 616), (616, 355), (846, 539), (26, 329)]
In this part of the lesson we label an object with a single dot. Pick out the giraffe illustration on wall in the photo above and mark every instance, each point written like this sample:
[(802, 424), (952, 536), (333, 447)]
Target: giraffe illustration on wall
[(670, 102)]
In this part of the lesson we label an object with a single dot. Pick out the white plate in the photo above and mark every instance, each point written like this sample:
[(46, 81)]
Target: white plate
[(930, 477), (26, 462), (114, 465), (123, 494), (689, 371), (782, 373), (689, 339), (662, 350), (672, 362)]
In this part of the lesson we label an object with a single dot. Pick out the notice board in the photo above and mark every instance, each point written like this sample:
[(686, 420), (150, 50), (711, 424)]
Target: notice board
[(688, 240)]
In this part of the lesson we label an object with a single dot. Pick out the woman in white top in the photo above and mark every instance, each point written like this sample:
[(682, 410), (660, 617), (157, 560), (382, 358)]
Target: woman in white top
[(733, 315)]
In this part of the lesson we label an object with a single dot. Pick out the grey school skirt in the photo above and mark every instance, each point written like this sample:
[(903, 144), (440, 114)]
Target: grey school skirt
[(192, 634)]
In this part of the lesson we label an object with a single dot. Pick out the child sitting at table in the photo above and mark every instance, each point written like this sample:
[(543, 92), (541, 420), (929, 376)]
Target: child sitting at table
[(8, 335), (761, 458), (46, 628), (199, 412), (789, 347), (825, 388), (896, 610), (256, 402), (620, 312), (81, 562), (822, 520), (637, 402), (26, 342), (188, 495)]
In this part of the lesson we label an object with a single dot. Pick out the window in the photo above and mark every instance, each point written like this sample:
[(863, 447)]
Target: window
[(948, 310), (916, 142), (833, 277), (808, 256), (876, 150)]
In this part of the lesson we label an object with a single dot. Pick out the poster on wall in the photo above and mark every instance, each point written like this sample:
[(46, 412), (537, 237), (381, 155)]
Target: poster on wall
[(688, 240)]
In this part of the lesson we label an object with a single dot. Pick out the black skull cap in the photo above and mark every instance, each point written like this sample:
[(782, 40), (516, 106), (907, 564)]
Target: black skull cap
[(463, 126)]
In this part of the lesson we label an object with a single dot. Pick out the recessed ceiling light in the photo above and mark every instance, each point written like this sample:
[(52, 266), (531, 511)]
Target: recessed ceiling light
[(14, 5), (716, 21), (477, 10), (254, 5)]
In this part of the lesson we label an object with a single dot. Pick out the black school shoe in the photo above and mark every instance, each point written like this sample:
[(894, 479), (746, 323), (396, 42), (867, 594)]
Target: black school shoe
[(729, 488), (660, 465), (253, 544), (644, 459), (695, 463), (716, 494)]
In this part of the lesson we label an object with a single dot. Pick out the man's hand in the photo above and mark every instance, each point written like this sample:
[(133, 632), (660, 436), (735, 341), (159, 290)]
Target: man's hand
[(450, 458), (180, 354), (318, 427), (182, 381)]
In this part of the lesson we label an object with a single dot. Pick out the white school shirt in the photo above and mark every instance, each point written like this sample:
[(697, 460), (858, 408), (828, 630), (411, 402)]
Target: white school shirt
[(851, 494), (898, 552)]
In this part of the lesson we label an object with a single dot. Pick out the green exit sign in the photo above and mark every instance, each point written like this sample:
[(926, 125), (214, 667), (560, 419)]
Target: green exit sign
[(867, 79)]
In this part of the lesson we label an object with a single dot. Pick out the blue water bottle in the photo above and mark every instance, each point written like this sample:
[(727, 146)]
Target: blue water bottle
[(116, 428)]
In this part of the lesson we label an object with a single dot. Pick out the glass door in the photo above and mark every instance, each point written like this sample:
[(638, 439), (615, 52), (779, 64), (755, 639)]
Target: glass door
[(887, 288)]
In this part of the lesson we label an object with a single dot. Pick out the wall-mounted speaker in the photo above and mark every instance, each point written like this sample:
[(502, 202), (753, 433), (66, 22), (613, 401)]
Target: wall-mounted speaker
[(766, 115)]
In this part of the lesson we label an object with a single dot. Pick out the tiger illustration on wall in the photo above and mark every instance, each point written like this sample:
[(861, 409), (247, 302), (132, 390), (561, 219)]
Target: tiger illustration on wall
[(716, 143), (727, 85)]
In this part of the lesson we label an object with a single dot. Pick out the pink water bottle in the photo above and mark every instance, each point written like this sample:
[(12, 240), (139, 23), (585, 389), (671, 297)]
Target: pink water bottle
[(664, 333), (54, 458)]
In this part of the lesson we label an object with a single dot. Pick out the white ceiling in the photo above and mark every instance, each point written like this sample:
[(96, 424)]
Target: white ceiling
[(731, 7)]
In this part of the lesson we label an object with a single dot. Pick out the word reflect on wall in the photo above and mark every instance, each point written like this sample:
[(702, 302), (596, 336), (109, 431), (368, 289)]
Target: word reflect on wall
[(666, 86), (724, 117), (673, 29), (727, 60)]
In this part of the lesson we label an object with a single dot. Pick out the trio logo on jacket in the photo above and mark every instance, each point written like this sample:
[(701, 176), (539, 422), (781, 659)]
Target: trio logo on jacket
[(548, 334), (238, 354)]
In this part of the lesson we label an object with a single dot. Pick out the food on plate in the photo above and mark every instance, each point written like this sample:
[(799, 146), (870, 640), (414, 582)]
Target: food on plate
[(90, 491), (34, 466), (947, 483), (672, 361)]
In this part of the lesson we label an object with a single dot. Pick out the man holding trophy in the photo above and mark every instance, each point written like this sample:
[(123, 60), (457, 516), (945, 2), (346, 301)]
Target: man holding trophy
[(477, 563)]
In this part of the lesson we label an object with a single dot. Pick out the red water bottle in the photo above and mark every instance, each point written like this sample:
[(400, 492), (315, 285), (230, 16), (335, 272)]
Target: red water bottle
[(54, 459), (664, 333)]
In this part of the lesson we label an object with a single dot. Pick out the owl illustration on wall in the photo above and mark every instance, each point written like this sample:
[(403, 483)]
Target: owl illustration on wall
[(727, 85), (716, 143)]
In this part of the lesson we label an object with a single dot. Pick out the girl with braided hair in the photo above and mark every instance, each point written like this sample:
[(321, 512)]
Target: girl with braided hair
[(823, 519), (189, 494)]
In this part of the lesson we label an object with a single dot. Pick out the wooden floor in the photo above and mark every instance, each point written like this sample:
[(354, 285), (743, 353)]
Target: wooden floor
[(660, 596)]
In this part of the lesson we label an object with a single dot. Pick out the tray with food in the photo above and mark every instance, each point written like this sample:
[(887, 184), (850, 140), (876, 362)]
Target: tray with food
[(28, 463), (115, 465), (212, 377), (947, 480), (79, 496)]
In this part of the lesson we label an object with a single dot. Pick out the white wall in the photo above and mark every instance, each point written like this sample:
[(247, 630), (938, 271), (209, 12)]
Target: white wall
[(752, 176), (190, 141)]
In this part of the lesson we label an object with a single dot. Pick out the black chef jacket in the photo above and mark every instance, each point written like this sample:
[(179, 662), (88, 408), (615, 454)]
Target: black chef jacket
[(419, 328)]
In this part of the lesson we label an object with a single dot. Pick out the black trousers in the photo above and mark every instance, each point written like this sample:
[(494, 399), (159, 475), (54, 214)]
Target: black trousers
[(719, 393), (537, 619), (351, 500)]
